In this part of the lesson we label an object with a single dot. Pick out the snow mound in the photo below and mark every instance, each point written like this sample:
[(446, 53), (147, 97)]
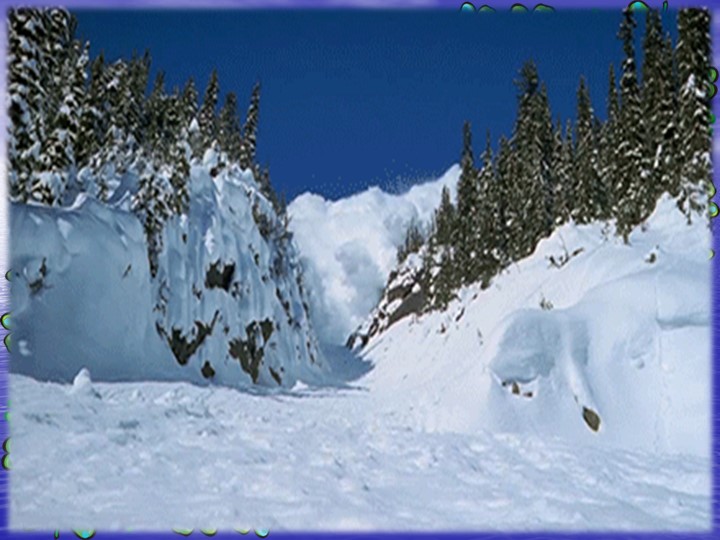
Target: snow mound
[(349, 247), (227, 305), (82, 385), (74, 302), (611, 347), (82, 380)]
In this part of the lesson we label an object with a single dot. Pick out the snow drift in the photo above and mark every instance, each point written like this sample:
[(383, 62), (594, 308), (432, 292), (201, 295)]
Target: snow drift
[(611, 346), (226, 306)]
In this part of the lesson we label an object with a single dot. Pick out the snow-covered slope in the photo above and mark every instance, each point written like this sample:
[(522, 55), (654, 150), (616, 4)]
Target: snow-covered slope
[(348, 247), (429, 439), (226, 305), (612, 347)]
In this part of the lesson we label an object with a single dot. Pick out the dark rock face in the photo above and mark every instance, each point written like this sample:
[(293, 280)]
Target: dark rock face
[(591, 419), (403, 297), (401, 291), (266, 327), (412, 304), (219, 276), (250, 351), (182, 346), (207, 370), (276, 376)]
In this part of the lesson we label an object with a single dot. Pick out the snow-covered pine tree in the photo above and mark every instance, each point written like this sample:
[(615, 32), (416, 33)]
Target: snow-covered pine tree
[(445, 280), (668, 119), (693, 54), (412, 242), (26, 97), (138, 75), (488, 218), (532, 156), (207, 118), (585, 190), (440, 277), (249, 132), (62, 77), (629, 190), (543, 120), (64, 126), (653, 88), (444, 219), (178, 152), (152, 203), (563, 170), (119, 146), (547, 174), (465, 231), (189, 117), (94, 115), (248, 148), (263, 178), (229, 135), (156, 110), (510, 200), (608, 147), (189, 103), (429, 266)]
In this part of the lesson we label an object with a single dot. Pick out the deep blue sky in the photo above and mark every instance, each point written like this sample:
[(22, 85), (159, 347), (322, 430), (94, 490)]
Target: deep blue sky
[(358, 98)]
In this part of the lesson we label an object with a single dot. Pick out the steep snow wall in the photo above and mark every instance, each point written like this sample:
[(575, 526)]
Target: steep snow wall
[(227, 305)]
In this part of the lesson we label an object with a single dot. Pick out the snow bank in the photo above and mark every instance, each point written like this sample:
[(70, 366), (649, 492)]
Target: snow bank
[(349, 247), (619, 354), (74, 302), (226, 307)]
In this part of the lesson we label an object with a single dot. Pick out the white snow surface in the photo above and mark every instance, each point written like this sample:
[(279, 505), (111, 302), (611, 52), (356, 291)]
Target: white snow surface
[(428, 439), (348, 247), (628, 337), (159, 455)]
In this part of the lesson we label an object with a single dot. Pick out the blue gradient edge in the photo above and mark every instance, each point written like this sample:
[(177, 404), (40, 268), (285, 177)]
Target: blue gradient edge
[(499, 5)]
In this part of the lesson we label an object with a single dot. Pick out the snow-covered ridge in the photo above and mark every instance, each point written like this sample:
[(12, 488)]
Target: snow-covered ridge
[(226, 306), (588, 339)]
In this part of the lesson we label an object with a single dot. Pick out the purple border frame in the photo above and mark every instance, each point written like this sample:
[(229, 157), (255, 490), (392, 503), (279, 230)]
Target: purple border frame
[(499, 5)]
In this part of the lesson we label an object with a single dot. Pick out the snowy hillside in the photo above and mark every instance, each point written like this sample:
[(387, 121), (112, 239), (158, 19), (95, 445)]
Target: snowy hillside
[(348, 248), (226, 306), (608, 344)]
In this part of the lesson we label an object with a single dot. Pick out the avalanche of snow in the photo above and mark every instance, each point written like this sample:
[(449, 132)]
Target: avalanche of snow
[(472, 419), (348, 248)]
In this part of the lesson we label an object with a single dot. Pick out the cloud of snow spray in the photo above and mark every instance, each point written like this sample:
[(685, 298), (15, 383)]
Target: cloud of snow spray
[(347, 266)]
